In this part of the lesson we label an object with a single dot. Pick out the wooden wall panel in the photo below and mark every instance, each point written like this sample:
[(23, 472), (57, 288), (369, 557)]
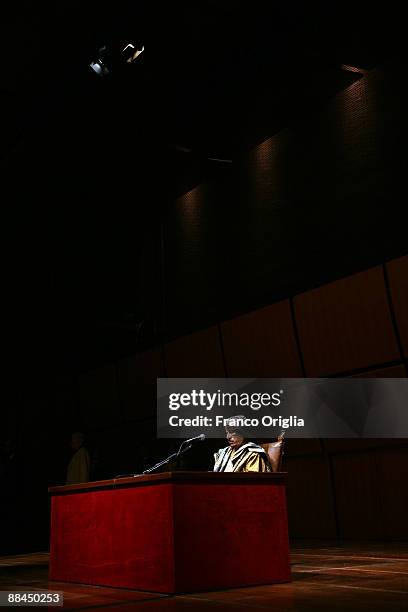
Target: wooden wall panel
[(98, 393), (397, 270), (137, 384), (302, 446), (195, 356), (348, 444), (261, 344), (346, 325), (393, 491), (310, 505), (357, 498), (392, 372)]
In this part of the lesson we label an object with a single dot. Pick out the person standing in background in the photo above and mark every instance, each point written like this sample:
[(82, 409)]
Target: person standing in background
[(80, 463)]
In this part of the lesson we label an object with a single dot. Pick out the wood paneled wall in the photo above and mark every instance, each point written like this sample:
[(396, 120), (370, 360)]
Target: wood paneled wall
[(198, 355), (397, 270), (346, 325), (262, 344), (355, 326)]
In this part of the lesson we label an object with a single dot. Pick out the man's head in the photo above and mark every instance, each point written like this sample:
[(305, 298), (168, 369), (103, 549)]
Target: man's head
[(235, 432)]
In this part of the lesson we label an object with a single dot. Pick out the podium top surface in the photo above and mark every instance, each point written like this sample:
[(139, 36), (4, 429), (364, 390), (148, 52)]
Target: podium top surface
[(173, 477)]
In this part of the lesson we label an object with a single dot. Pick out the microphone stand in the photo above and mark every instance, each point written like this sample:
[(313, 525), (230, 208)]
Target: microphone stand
[(180, 451)]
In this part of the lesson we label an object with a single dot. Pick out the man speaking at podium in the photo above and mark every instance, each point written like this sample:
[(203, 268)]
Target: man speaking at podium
[(240, 455)]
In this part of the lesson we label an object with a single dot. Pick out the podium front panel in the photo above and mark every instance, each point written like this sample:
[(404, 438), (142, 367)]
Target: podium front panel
[(171, 533)]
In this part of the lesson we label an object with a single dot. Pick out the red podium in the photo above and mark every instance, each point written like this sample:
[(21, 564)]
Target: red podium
[(171, 533)]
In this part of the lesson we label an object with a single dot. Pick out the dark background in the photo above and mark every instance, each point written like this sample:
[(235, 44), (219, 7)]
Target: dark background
[(126, 258)]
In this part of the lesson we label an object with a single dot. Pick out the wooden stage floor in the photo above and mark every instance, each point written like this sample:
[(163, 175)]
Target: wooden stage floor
[(326, 577)]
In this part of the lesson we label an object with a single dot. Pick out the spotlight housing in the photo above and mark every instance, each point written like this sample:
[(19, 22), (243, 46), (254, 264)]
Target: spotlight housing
[(101, 65), (131, 52), (107, 59)]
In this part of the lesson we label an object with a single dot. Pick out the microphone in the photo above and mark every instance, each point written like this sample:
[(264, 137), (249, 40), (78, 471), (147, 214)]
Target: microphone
[(201, 437), (183, 449)]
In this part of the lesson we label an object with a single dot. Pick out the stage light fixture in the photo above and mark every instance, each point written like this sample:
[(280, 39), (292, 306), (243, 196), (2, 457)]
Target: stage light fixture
[(107, 59), (100, 65), (131, 52)]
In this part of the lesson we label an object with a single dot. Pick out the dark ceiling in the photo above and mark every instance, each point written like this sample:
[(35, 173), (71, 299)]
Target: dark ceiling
[(216, 77)]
